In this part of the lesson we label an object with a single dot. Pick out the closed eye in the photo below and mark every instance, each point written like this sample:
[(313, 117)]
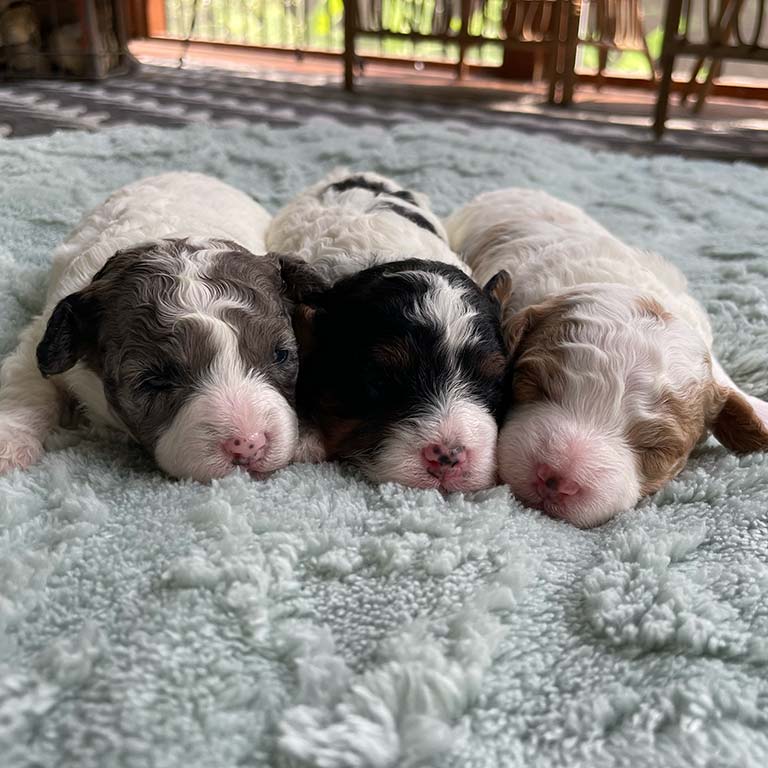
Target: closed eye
[(158, 380), (668, 450)]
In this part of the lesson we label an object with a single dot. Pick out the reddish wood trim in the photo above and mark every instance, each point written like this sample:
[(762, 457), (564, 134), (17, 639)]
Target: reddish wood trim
[(747, 92), (242, 48), (155, 15), (732, 90)]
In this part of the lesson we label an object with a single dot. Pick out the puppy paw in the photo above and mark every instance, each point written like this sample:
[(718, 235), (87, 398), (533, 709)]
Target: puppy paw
[(310, 448), (18, 449)]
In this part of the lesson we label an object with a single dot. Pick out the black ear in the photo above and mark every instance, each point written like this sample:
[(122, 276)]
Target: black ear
[(299, 278), (71, 329), (499, 287)]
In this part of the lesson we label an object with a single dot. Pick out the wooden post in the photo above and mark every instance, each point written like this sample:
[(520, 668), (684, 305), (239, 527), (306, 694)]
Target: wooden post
[(463, 34), (668, 51), (350, 23), (135, 17), (573, 8)]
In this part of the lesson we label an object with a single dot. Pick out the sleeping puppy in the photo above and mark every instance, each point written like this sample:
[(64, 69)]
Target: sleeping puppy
[(162, 323), (402, 360), (613, 380), (401, 372), (350, 221)]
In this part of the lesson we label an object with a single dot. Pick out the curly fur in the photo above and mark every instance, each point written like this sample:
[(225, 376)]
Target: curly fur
[(342, 228), (613, 382), (161, 322)]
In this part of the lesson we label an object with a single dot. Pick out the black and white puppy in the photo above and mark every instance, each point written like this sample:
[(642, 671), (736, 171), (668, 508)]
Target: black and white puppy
[(402, 359), (161, 322), (401, 372)]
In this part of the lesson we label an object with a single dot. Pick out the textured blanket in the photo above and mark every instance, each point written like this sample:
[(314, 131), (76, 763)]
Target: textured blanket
[(315, 620)]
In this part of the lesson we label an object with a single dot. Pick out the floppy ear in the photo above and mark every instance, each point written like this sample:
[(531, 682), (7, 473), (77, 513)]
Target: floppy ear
[(299, 278), (71, 330), (742, 423), (499, 287), (514, 327), (304, 319)]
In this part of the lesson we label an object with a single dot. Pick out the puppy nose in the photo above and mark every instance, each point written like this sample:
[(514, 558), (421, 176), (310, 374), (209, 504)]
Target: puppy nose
[(553, 484), (243, 449), (444, 456)]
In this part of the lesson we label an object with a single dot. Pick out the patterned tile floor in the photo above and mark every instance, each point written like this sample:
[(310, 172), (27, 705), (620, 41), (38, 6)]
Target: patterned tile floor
[(279, 90)]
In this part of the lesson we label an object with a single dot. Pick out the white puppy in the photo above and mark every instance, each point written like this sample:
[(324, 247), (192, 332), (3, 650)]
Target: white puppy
[(161, 322), (351, 221), (613, 380)]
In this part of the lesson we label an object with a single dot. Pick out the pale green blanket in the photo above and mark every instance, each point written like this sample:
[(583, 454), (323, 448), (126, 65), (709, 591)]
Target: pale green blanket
[(315, 620)]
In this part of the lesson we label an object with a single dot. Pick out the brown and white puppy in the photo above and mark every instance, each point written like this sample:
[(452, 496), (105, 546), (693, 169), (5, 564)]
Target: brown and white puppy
[(181, 339), (613, 380)]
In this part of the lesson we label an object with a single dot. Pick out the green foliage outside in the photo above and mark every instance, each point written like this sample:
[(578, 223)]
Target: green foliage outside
[(626, 61), (319, 25)]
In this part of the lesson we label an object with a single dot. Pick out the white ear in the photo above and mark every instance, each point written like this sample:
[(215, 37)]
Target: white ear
[(742, 424)]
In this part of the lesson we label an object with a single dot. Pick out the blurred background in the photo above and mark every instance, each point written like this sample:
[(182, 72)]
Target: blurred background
[(682, 77)]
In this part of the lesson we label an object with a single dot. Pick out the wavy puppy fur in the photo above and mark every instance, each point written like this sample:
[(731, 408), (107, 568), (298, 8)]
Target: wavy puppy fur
[(401, 371), (613, 382), (402, 358), (348, 221), (185, 343)]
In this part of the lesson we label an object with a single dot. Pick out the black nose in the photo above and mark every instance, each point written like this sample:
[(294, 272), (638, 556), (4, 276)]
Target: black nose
[(452, 458)]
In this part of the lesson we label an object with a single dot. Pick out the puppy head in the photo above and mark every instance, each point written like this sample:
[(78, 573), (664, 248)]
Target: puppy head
[(402, 368), (189, 345), (610, 393)]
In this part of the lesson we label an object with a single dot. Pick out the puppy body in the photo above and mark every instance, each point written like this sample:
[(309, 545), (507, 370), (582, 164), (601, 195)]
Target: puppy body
[(549, 246), (171, 205), (351, 221), (613, 382), (401, 373), (402, 358), (162, 323)]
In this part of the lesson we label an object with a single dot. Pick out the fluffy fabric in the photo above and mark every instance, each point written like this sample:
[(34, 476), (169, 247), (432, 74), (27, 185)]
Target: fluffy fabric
[(314, 620)]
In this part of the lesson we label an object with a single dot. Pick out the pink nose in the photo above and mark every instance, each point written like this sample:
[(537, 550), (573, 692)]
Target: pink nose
[(553, 485), (245, 449), (443, 458)]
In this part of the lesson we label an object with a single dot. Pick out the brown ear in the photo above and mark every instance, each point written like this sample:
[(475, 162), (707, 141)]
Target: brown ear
[(303, 326), (499, 287), (742, 424), (516, 326)]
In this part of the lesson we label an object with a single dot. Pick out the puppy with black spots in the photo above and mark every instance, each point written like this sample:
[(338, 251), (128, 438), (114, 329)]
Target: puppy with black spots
[(402, 360), (165, 320), (351, 221)]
